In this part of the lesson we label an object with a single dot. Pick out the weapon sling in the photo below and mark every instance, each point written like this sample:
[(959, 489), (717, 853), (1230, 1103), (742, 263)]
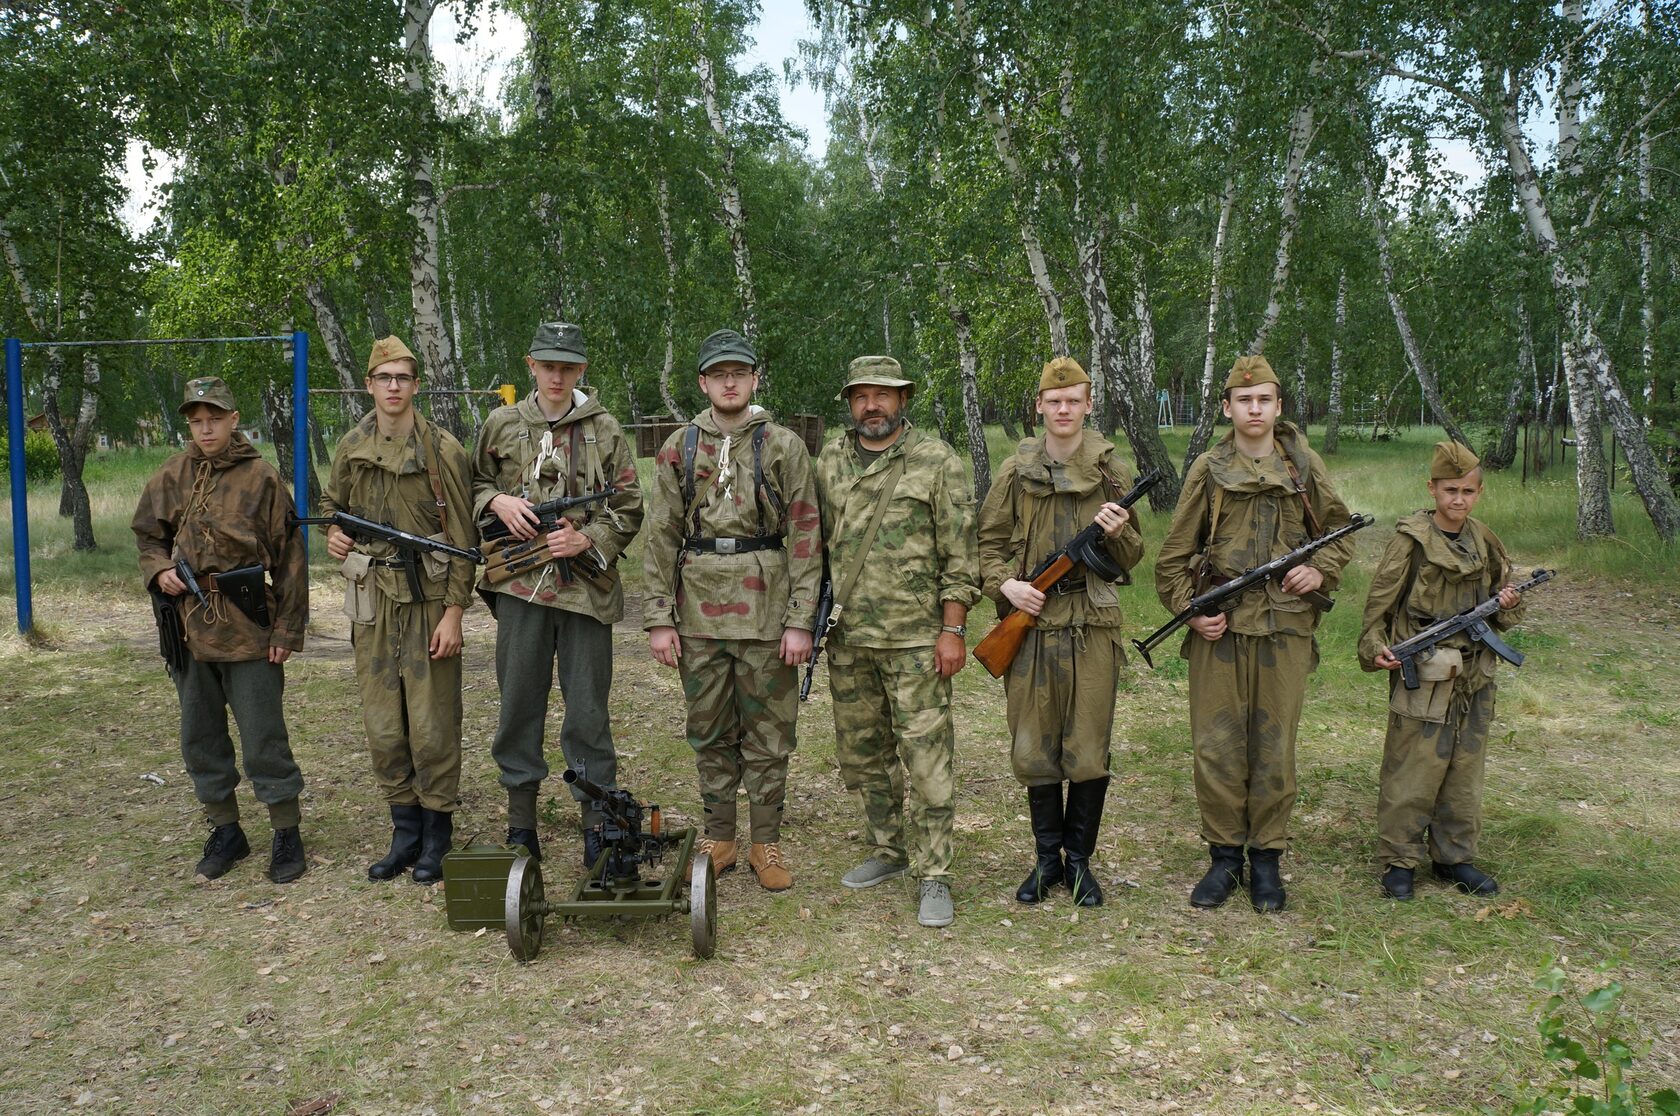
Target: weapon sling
[(843, 591)]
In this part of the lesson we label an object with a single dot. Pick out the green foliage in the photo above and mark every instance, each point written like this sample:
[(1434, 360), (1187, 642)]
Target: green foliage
[(40, 456), (1581, 1037)]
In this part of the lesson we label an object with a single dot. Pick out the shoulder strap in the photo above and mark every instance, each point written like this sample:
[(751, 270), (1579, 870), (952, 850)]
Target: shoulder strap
[(437, 482), (1301, 491), (763, 491), (691, 499), (843, 591)]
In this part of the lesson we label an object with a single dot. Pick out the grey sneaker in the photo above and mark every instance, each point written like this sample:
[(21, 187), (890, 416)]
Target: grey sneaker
[(873, 871), (936, 909)]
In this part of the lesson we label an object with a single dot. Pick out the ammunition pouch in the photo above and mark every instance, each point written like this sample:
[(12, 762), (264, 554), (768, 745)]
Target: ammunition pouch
[(358, 589), (1436, 671), (247, 589), (172, 635)]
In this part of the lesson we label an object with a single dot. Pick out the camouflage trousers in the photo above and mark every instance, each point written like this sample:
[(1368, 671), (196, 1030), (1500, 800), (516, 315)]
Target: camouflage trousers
[(742, 703), (1060, 692), (892, 715), (1245, 705), (411, 705), (1432, 775), (255, 691)]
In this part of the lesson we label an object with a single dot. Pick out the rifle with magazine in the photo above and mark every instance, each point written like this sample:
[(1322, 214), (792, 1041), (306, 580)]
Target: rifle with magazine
[(825, 609), (1473, 622), (408, 545), (506, 557), (1224, 593)]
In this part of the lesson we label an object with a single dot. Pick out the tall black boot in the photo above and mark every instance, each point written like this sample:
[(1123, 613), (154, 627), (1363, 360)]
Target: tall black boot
[(1265, 889), (1221, 879), (405, 844), (439, 836), (1084, 819), (1045, 805)]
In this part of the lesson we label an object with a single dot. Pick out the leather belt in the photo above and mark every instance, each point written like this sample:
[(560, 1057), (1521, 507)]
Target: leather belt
[(387, 563), (733, 546)]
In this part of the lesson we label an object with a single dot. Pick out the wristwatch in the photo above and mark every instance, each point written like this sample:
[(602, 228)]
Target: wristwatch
[(955, 629)]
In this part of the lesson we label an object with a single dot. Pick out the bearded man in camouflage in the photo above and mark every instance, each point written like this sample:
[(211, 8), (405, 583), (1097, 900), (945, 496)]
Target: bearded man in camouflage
[(898, 521), (731, 569)]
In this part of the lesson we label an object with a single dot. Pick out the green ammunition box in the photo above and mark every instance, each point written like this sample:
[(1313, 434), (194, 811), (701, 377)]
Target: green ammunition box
[(475, 880)]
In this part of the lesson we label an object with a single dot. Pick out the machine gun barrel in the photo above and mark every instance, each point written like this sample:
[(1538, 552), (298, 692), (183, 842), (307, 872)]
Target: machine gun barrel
[(575, 778)]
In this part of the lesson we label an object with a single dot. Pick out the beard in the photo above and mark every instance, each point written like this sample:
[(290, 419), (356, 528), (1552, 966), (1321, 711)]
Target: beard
[(879, 427)]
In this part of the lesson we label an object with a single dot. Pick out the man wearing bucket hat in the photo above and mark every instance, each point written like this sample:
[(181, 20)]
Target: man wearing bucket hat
[(555, 620), (1439, 563), (731, 569), (1061, 685), (398, 468), (1257, 494), (898, 520), (220, 514)]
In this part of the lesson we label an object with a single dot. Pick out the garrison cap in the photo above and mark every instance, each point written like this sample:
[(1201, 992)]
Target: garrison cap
[(561, 341), (724, 345), (207, 389), (1452, 460), (1249, 371), (387, 349), (880, 371), (1060, 373)]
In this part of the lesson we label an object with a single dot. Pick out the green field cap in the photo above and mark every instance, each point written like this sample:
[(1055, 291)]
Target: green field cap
[(724, 345), (207, 389), (559, 341)]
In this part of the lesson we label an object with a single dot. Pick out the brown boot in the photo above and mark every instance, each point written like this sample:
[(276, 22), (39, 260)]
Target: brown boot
[(766, 862), (721, 852)]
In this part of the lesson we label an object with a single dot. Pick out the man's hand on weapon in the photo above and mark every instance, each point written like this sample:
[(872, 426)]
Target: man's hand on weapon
[(516, 515), (1111, 517), (446, 637), (1210, 628), (666, 645), (339, 544), (796, 646), (1509, 598), (1023, 596), (566, 541), (1301, 580), (169, 583)]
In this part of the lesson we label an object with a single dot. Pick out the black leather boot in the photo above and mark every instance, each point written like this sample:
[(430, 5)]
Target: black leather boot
[(225, 847), (526, 837), (1265, 888), (1467, 878), (405, 844), (1045, 805), (439, 828), (1079, 839), (1397, 883), (287, 862), (1221, 879)]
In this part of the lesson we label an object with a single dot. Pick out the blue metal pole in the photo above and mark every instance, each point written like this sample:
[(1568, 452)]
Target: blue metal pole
[(300, 427), (20, 484)]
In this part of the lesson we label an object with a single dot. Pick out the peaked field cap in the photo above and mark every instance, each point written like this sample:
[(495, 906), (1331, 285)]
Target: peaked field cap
[(559, 341), (207, 389), (387, 349), (1452, 460), (876, 371), (1251, 370), (724, 345), (1062, 372)]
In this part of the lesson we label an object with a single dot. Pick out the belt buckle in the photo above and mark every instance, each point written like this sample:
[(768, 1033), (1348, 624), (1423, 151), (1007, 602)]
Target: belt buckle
[(726, 546)]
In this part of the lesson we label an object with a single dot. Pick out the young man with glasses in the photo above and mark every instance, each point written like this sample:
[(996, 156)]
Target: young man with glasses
[(396, 467), (732, 568)]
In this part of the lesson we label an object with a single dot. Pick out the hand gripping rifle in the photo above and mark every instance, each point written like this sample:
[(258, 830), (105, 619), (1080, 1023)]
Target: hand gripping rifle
[(825, 613), (1003, 642), (506, 556), (407, 544), (1225, 593), (1472, 621)]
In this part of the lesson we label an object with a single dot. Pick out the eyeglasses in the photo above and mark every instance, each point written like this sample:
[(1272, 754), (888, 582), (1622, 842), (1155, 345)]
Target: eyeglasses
[(721, 377), (386, 380)]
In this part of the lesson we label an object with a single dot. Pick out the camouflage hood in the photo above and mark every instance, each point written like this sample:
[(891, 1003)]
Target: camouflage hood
[(584, 404), (1079, 475), (756, 416), (1230, 475), (1460, 559), (238, 450)]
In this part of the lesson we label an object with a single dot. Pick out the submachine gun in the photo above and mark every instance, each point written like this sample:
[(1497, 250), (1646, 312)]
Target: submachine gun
[(618, 884), (408, 545), (506, 557), (1473, 622), (825, 614), (1224, 594)]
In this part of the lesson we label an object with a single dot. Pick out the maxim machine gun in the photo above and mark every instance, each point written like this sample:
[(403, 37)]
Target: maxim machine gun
[(493, 885)]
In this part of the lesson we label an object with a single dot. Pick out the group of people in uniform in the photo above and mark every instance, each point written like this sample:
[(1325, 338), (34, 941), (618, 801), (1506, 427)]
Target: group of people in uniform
[(741, 537)]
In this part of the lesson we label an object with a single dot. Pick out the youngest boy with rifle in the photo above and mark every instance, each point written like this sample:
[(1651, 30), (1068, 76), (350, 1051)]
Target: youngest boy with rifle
[(397, 468), (1061, 685), (1440, 562), (213, 525)]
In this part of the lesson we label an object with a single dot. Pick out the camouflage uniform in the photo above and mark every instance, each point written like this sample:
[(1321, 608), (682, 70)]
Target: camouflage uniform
[(1434, 756), (731, 609), (1061, 686), (543, 619), (223, 513), (891, 707), (411, 703), (1246, 687)]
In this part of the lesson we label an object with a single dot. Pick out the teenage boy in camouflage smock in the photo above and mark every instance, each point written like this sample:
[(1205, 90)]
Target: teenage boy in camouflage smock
[(1439, 563), (221, 507), (396, 467), (1061, 686), (557, 441), (899, 636), (1257, 494), (732, 565)]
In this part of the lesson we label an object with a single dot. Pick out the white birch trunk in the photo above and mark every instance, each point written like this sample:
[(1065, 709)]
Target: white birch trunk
[(1647, 298), (1301, 132), (1004, 141), (729, 199), (330, 328), (1333, 413), (1301, 364), (1206, 407), (667, 243)]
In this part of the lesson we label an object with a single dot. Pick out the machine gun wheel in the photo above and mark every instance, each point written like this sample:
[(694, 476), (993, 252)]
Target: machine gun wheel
[(702, 905), (524, 896)]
